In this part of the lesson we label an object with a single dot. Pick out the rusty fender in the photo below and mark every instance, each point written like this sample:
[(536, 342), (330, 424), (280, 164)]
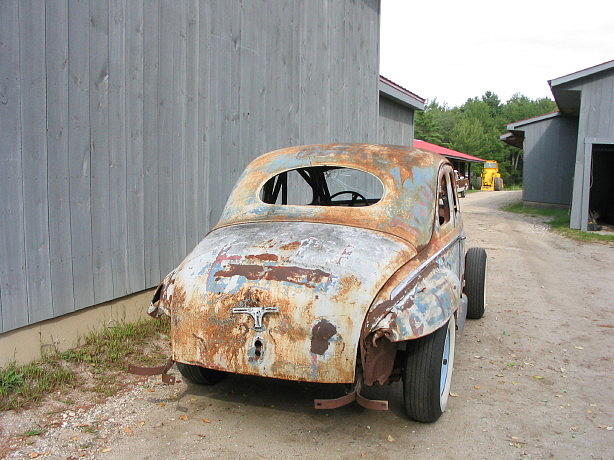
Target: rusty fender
[(418, 299), (162, 298)]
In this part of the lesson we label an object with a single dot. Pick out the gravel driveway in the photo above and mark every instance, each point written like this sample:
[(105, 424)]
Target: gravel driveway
[(533, 378)]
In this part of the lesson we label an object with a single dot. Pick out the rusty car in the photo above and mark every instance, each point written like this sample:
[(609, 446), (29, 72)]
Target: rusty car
[(341, 264)]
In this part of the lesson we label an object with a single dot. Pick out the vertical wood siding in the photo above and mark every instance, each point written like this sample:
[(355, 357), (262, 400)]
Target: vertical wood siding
[(596, 120), (125, 123), (548, 160), (396, 123)]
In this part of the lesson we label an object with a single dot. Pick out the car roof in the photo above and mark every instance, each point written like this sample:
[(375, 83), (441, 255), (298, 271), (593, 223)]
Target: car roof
[(406, 210)]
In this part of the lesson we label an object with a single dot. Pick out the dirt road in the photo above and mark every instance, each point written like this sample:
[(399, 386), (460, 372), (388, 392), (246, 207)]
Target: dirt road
[(533, 378)]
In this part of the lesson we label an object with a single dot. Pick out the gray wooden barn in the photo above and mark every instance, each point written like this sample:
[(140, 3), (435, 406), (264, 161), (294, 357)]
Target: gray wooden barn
[(569, 154), (124, 125)]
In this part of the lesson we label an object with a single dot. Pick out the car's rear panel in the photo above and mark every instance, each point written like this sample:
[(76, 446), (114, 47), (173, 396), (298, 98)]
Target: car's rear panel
[(317, 280)]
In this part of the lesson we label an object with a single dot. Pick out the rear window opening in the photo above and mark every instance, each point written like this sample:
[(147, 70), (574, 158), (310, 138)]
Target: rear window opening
[(323, 186)]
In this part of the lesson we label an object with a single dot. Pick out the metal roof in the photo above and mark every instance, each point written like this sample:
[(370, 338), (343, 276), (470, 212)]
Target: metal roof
[(515, 136), (535, 119), (406, 209), (581, 73), (567, 96), (399, 94), (434, 148)]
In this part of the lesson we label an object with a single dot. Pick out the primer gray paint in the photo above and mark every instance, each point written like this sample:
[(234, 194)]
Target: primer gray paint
[(117, 153)]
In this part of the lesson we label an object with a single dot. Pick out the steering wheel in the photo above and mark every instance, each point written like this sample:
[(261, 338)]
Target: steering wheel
[(355, 196)]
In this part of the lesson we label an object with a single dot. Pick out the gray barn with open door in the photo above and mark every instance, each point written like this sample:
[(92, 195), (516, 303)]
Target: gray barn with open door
[(569, 155)]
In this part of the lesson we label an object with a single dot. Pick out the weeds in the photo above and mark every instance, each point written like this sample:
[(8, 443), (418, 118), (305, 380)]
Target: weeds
[(559, 222), (103, 353), (21, 385), (89, 429), (110, 347), (33, 432)]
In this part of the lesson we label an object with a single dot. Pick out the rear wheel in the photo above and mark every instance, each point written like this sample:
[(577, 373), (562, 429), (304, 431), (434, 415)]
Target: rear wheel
[(475, 282), (428, 373), (200, 375)]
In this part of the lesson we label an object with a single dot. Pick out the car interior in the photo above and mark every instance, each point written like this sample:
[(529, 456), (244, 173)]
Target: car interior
[(323, 186)]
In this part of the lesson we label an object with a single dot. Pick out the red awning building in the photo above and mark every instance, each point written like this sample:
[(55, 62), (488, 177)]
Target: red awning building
[(461, 161)]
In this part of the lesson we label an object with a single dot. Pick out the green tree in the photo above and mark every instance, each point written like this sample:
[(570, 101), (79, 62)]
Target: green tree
[(475, 127)]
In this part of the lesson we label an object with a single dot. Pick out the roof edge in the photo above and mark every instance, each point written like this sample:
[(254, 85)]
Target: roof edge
[(515, 139), (446, 152), (528, 121), (402, 95), (581, 73)]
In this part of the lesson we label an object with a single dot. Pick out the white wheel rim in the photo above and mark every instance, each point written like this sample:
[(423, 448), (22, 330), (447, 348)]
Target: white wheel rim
[(447, 364)]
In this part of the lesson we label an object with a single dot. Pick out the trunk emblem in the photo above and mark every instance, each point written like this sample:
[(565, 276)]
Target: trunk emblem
[(257, 313)]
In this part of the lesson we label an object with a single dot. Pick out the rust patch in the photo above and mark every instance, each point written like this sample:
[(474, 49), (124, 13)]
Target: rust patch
[(178, 297), (378, 360), (346, 286), (291, 246), (321, 334), (263, 257), (289, 331), (296, 275)]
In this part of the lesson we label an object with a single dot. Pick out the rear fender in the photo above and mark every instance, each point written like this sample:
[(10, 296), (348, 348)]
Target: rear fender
[(415, 302)]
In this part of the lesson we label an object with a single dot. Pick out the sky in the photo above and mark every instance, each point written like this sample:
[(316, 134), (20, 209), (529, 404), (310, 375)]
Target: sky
[(454, 50)]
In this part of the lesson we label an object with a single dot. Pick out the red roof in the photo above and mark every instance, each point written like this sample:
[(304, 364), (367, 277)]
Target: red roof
[(422, 145)]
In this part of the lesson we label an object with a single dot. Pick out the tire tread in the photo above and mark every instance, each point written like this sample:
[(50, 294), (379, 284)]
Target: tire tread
[(200, 375), (421, 377), (475, 278)]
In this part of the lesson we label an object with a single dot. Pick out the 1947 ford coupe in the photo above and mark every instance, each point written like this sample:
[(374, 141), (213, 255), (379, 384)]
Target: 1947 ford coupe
[(332, 264)]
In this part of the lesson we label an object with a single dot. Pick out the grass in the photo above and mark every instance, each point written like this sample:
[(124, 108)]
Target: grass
[(22, 385), (103, 354), (33, 432), (559, 222), (111, 346)]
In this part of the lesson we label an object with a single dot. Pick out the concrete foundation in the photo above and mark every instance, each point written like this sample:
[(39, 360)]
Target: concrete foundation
[(59, 334)]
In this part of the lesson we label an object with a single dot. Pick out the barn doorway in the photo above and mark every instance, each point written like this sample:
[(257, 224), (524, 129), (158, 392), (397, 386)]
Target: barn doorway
[(601, 200)]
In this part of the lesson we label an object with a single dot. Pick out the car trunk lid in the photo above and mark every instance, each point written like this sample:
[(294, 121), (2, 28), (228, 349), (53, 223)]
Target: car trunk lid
[(284, 300)]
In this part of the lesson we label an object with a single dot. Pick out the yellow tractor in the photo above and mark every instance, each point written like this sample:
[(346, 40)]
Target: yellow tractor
[(491, 178)]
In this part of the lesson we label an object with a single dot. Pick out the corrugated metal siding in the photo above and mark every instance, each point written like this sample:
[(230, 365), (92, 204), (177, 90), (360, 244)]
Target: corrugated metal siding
[(396, 123), (118, 151), (548, 162)]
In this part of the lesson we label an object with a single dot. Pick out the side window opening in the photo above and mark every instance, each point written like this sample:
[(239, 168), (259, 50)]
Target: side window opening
[(454, 182), (443, 203), (450, 185), (323, 186)]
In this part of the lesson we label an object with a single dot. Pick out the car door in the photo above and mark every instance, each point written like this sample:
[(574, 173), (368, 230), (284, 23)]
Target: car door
[(449, 228)]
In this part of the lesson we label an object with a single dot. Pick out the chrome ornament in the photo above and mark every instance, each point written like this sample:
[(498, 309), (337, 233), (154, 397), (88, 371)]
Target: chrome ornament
[(257, 313)]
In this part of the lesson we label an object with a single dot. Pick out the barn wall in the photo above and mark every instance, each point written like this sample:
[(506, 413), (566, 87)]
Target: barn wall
[(396, 123), (596, 121), (548, 161), (117, 153)]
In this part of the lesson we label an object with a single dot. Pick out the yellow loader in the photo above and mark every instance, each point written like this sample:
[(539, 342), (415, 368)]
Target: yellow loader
[(491, 178)]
